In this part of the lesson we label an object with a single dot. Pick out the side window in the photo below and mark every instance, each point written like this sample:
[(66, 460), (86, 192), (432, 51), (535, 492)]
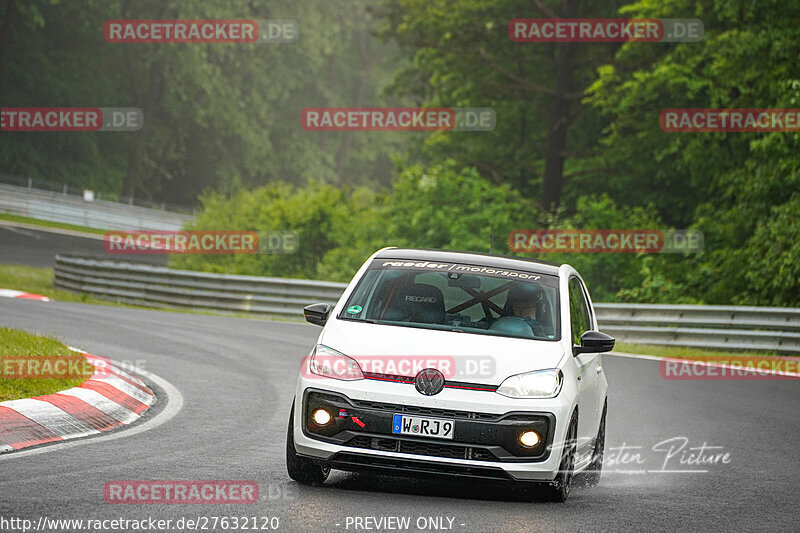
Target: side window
[(590, 318), (578, 311)]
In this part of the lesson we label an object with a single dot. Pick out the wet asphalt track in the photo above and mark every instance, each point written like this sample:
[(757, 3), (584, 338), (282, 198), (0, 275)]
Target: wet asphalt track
[(26, 246), (237, 378)]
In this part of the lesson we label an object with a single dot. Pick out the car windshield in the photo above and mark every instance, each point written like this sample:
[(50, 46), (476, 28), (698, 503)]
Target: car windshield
[(455, 297)]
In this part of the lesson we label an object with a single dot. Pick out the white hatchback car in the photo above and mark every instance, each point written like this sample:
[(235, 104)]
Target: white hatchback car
[(460, 364)]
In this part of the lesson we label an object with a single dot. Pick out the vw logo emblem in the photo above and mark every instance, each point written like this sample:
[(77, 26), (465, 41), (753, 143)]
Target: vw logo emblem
[(429, 381)]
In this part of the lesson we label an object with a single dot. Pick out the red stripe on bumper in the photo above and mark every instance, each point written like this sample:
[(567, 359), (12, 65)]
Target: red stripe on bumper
[(469, 388)]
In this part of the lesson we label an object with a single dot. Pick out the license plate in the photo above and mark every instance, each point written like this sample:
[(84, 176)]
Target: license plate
[(420, 426)]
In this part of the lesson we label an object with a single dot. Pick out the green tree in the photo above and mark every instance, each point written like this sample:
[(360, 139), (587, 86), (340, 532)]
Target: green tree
[(216, 116), (444, 206), (462, 56), (738, 188)]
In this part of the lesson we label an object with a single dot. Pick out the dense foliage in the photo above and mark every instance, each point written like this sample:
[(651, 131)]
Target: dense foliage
[(216, 116)]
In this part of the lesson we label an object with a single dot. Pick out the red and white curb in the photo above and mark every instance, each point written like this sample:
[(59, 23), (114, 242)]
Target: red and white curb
[(109, 399), (10, 293)]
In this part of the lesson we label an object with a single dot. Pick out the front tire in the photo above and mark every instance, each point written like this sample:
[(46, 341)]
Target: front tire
[(559, 489), (302, 469), (596, 466)]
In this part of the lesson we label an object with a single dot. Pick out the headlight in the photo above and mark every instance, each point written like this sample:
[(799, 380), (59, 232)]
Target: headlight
[(329, 363), (539, 384)]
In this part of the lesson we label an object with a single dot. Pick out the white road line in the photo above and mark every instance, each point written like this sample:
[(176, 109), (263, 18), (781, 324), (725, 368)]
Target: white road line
[(46, 229), (174, 401), (707, 363)]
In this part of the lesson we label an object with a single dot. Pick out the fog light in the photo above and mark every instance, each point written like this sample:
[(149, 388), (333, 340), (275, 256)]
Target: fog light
[(322, 417), (529, 439)]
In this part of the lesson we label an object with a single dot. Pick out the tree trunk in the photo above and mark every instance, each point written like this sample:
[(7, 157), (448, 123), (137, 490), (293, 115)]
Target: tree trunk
[(5, 39), (132, 179), (559, 119)]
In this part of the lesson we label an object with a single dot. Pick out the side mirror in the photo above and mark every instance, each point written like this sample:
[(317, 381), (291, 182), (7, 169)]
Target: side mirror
[(317, 314), (594, 342)]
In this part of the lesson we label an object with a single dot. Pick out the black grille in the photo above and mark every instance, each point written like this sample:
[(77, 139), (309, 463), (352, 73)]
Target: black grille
[(347, 461), (436, 450), (360, 442), (433, 449), (479, 454)]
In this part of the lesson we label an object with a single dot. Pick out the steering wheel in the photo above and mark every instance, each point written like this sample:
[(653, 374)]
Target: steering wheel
[(537, 327), (512, 325)]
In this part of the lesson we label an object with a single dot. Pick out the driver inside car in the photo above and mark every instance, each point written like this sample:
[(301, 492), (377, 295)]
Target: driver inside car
[(525, 301)]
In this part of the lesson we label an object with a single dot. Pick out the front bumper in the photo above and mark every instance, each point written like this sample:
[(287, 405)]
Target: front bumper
[(485, 445)]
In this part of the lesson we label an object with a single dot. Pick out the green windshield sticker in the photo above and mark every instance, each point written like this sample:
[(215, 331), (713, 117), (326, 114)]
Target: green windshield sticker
[(354, 309)]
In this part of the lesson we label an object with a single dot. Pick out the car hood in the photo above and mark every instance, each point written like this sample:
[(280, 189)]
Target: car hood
[(467, 357)]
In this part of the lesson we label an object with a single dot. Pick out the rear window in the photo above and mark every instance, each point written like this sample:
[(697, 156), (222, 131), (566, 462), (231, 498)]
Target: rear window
[(457, 297)]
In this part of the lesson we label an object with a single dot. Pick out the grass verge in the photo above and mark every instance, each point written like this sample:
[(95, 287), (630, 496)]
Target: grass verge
[(48, 224), (38, 281), (38, 361)]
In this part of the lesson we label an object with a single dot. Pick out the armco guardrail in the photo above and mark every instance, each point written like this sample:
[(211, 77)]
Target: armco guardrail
[(701, 326), (163, 287), (68, 209)]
